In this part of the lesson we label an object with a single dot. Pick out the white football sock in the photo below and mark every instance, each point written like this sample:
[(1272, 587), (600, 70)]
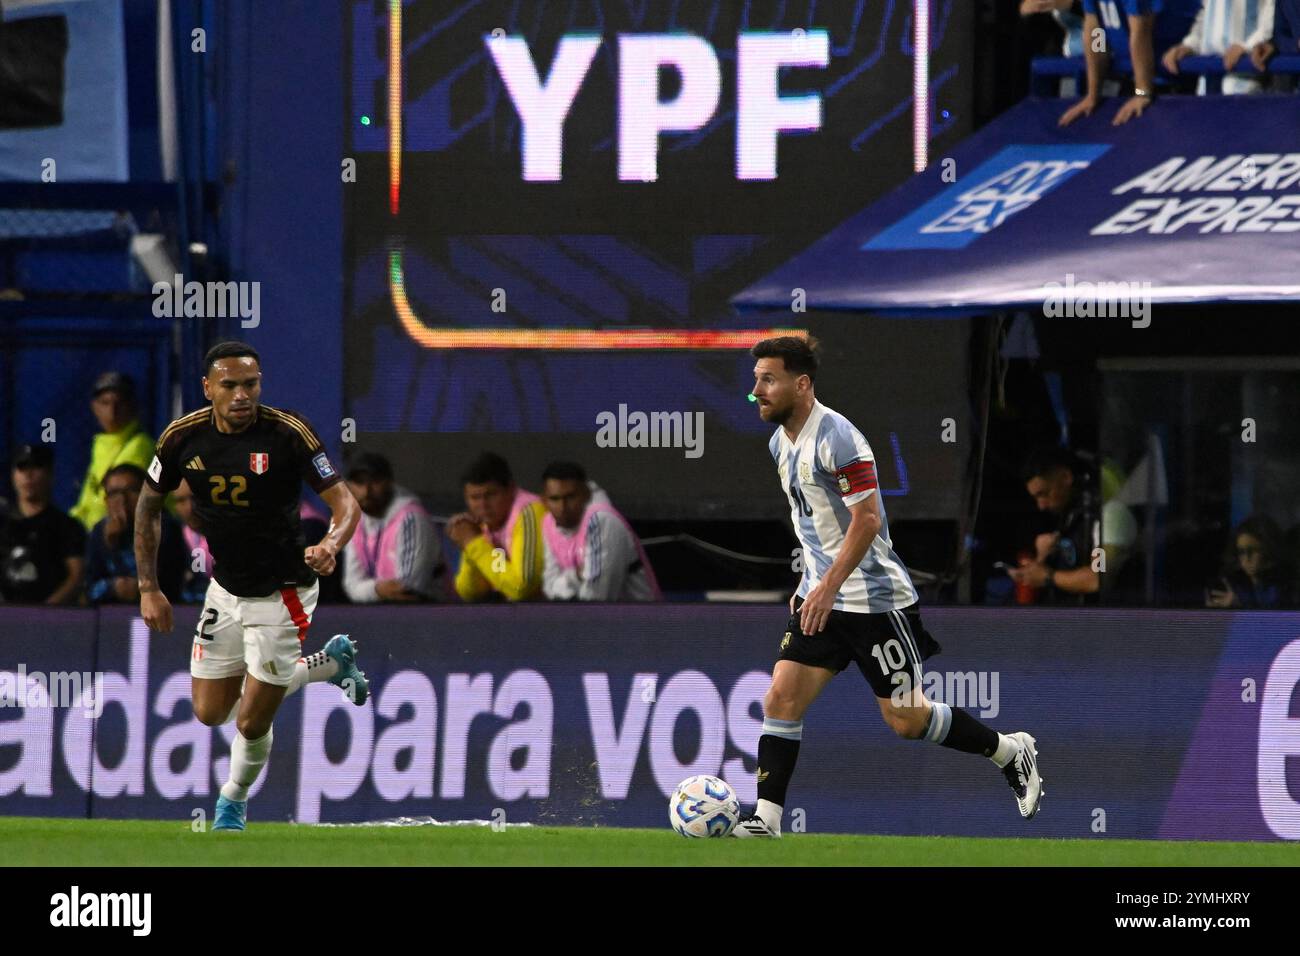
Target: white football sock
[(1007, 749), (312, 669), (247, 758), (771, 814)]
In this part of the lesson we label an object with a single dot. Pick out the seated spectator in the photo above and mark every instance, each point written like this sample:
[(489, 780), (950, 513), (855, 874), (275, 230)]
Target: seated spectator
[(1254, 574), (110, 552), (121, 441), (394, 551), (592, 553), (500, 536), (42, 550), (1063, 558), (198, 572), (1230, 29), (1286, 34), (1143, 29)]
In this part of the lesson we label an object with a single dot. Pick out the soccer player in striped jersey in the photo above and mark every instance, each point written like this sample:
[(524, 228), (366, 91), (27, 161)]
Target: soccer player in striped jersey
[(246, 463), (856, 602)]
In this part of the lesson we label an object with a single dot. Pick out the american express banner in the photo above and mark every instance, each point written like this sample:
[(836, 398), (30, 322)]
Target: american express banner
[(1200, 201)]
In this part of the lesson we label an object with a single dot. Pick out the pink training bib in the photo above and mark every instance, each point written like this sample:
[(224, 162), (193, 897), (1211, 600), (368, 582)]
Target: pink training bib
[(502, 537), (570, 551), (379, 552)]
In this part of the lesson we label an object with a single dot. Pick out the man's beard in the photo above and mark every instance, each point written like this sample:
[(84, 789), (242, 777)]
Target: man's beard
[(782, 416), (380, 503)]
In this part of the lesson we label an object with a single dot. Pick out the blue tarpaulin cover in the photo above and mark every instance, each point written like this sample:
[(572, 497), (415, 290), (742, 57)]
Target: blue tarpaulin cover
[(1199, 197)]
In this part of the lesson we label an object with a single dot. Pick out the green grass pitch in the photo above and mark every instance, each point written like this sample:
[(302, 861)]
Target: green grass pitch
[(28, 841)]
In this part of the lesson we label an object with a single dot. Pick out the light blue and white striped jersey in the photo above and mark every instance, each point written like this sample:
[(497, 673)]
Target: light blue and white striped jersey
[(1223, 23), (828, 468)]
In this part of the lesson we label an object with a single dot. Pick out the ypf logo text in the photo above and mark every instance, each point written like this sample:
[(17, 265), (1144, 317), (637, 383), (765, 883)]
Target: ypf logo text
[(761, 112)]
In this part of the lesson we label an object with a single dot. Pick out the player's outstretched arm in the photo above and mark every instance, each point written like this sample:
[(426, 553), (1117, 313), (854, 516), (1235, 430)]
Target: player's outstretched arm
[(345, 513), (154, 606)]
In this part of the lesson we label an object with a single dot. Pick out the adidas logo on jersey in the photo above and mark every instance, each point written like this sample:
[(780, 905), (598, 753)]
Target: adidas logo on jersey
[(195, 464)]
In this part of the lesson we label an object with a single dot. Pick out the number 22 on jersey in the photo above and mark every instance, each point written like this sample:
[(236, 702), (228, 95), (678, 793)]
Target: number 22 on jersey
[(238, 486)]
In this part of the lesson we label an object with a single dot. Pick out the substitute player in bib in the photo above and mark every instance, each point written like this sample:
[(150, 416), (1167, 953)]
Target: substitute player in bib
[(246, 463), (856, 602)]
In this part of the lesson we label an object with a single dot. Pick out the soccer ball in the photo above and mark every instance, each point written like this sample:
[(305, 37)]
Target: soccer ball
[(703, 806)]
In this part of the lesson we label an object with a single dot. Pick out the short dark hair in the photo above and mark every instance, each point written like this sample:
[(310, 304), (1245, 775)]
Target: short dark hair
[(487, 467), (230, 350), (799, 354), (36, 455), (126, 468), (564, 471), (1266, 530), (369, 463), (1044, 460)]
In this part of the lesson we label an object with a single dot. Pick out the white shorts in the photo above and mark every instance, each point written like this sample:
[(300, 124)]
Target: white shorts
[(262, 635)]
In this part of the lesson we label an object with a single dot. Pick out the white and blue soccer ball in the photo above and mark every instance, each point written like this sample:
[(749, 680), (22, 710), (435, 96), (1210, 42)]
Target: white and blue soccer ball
[(704, 806)]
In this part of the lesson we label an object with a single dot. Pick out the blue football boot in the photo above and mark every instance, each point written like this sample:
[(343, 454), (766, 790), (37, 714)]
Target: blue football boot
[(352, 680), (230, 814)]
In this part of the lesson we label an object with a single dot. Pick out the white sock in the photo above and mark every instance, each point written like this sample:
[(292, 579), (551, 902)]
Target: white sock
[(771, 814), (247, 758), (1007, 749), (312, 669)]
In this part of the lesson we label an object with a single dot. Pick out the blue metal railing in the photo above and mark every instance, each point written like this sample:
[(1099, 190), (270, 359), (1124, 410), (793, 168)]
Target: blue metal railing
[(1045, 71)]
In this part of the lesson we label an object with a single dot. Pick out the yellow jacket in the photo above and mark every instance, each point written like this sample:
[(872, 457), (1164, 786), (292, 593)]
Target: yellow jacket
[(131, 446), (518, 573)]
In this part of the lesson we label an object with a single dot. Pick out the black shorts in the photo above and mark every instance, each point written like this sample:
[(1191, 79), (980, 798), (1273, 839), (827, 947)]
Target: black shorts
[(883, 645)]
